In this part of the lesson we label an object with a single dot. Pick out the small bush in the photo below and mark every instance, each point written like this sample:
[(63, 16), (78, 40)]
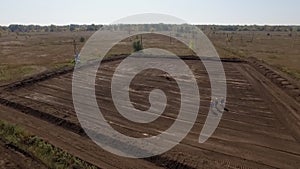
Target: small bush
[(137, 46), (82, 39)]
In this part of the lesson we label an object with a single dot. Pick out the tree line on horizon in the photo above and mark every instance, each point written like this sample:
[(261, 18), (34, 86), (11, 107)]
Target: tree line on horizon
[(50, 28), (275, 28), (93, 27)]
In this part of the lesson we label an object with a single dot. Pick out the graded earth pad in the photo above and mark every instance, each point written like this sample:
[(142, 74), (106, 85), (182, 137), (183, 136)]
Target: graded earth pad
[(259, 130)]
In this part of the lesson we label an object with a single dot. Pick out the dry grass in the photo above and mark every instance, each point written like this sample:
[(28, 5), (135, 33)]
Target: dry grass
[(26, 54), (43, 51), (51, 156), (278, 49), (9, 73)]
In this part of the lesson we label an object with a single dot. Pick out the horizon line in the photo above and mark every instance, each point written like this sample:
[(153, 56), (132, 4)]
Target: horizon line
[(217, 24)]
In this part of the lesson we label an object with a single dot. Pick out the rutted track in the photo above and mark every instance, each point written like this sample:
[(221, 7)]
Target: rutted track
[(289, 85), (250, 135)]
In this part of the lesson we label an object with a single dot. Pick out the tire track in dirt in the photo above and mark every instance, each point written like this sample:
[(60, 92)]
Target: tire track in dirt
[(280, 101)]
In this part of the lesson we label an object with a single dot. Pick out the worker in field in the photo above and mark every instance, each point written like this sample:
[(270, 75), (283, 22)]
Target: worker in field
[(218, 105)]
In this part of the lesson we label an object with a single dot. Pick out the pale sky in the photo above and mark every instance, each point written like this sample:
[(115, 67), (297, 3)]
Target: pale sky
[(64, 12)]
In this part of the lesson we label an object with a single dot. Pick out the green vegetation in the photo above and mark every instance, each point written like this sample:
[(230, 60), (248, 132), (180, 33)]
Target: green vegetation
[(8, 73), (250, 28), (147, 27), (137, 44), (50, 28), (82, 39), (51, 156), (292, 73), (70, 63)]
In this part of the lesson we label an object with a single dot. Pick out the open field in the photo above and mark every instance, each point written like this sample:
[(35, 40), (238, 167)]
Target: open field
[(261, 128), (255, 133), (24, 54), (279, 49)]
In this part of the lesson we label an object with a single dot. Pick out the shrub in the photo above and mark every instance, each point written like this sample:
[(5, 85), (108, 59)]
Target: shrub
[(137, 46), (82, 39)]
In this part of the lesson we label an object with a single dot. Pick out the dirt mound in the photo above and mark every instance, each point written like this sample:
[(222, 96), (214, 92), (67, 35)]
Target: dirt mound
[(287, 84)]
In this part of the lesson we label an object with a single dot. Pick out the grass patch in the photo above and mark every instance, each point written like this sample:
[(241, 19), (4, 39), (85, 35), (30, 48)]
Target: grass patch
[(8, 73), (51, 156), (292, 73), (230, 52), (70, 63)]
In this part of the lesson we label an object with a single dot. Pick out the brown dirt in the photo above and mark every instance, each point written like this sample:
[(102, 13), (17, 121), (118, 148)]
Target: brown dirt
[(283, 81), (261, 129)]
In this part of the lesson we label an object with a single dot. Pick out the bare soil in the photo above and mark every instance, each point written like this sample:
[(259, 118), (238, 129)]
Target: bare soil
[(260, 130)]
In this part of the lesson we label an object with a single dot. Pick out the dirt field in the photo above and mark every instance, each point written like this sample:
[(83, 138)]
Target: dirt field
[(259, 131)]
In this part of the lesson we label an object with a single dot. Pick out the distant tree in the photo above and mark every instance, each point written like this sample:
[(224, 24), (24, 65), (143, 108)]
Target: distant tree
[(47, 29), (15, 28), (91, 27), (73, 27), (52, 28), (137, 44), (147, 27)]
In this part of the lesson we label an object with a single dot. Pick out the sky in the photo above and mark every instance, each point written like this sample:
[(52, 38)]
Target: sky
[(233, 12)]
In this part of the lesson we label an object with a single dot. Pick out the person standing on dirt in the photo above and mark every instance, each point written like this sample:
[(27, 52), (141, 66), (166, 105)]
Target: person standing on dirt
[(213, 106), (215, 103)]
